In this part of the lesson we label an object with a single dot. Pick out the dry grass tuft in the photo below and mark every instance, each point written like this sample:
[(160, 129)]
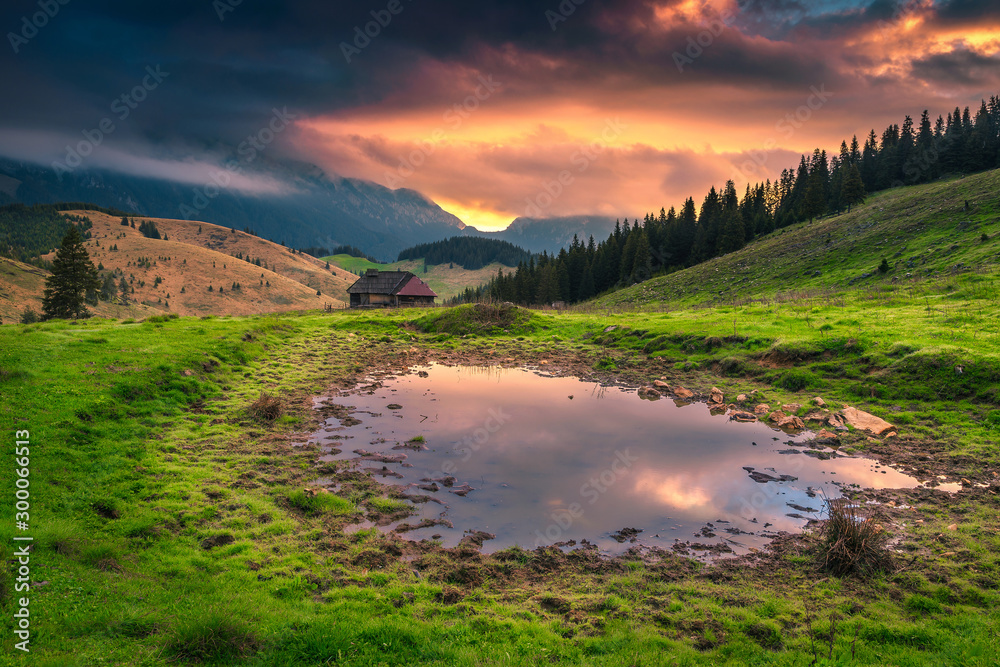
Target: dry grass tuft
[(854, 540), (267, 408)]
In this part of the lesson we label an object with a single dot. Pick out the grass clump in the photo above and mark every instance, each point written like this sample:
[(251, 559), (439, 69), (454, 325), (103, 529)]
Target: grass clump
[(213, 637), (854, 541), (313, 501), (478, 318), (266, 409), (797, 379)]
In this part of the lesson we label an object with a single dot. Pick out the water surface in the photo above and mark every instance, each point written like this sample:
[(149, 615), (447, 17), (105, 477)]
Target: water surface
[(553, 460)]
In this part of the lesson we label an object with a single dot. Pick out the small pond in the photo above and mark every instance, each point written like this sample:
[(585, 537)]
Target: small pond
[(538, 460)]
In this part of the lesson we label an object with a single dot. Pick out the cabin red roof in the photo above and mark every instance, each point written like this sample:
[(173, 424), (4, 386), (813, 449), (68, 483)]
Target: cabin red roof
[(415, 287)]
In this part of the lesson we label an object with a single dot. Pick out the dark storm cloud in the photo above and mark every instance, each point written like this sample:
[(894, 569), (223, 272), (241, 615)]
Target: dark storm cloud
[(967, 11), (226, 74), (960, 67)]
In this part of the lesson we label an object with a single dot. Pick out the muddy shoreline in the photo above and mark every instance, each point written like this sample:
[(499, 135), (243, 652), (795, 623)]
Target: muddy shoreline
[(925, 460)]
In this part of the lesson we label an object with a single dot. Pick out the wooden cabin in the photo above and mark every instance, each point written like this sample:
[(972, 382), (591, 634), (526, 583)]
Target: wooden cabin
[(390, 289)]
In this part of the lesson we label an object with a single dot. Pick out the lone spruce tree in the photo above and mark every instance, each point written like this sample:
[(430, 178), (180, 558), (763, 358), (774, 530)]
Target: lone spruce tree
[(73, 275)]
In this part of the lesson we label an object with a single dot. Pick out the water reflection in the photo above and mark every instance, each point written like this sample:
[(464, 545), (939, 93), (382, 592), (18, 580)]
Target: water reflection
[(540, 460)]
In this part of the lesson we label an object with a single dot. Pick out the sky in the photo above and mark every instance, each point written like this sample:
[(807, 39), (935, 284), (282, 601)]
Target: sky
[(493, 109)]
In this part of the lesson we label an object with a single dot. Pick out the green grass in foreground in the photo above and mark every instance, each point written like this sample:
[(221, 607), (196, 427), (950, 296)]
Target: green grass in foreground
[(171, 527)]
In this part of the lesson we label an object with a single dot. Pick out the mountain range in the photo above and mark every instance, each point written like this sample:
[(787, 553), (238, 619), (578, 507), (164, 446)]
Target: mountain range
[(313, 210)]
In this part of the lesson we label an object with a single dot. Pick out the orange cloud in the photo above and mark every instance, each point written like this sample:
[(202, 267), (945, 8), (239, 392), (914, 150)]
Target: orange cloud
[(509, 131)]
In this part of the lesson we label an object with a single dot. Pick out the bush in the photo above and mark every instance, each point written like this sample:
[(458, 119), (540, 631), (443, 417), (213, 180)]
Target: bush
[(266, 409), (854, 541)]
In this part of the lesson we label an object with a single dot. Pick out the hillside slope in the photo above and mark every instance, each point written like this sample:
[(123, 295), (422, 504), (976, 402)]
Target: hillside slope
[(22, 285), (922, 231), (197, 255)]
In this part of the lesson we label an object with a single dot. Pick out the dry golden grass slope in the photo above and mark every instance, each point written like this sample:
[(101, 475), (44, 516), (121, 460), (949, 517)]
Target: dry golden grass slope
[(22, 285), (199, 255)]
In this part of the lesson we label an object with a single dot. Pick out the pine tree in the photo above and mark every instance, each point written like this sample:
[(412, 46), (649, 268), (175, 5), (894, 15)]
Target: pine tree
[(853, 189), (586, 284), (73, 275), (109, 288), (548, 285), (815, 200), (732, 236)]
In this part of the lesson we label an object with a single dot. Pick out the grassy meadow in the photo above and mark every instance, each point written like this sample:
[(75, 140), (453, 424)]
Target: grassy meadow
[(173, 520), (171, 523)]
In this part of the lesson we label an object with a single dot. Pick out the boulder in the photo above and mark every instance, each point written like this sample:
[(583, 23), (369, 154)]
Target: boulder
[(762, 409), (776, 416), (716, 396), (791, 407), (681, 392), (791, 422), (649, 393), (866, 422), (836, 422), (660, 384), (741, 398), (819, 402), (826, 435), (742, 416), (815, 416)]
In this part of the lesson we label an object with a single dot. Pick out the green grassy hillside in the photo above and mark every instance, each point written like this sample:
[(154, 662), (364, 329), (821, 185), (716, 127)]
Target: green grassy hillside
[(446, 282), (173, 523), (923, 232)]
